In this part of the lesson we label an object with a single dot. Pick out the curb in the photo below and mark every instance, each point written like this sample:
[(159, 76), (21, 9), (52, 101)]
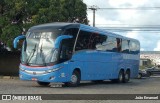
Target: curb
[(9, 77)]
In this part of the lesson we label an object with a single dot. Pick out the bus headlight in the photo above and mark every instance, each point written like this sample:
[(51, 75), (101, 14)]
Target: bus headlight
[(21, 69), (53, 70)]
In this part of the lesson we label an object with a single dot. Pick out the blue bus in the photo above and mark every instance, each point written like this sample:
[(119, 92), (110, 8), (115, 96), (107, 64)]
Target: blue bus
[(74, 52)]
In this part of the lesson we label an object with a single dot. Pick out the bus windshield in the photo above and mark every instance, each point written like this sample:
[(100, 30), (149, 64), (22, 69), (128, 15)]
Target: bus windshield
[(38, 48)]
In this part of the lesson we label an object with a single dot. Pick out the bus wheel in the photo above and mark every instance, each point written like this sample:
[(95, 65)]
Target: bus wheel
[(126, 77), (75, 80), (43, 83), (120, 78)]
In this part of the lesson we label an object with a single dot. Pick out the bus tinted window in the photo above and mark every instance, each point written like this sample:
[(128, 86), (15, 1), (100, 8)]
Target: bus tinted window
[(119, 44), (111, 44), (134, 47), (87, 40), (71, 31), (95, 41), (125, 46), (83, 40), (100, 42)]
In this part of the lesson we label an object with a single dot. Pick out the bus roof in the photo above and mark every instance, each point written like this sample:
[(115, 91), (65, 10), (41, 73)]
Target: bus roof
[(55, 25), (66, 25)]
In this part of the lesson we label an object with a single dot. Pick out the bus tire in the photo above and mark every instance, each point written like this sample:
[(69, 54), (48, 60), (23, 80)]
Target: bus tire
[(43, 83), (120, 77), (75, 79), (126, 77)]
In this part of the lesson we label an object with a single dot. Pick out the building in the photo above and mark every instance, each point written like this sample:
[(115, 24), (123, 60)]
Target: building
[(152, 57), (145, 62)]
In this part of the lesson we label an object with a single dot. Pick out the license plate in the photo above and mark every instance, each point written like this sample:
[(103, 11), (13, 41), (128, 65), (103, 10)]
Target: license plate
[(34, 79)]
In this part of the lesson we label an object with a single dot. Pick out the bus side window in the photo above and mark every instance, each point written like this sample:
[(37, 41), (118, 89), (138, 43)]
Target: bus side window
[(71, 31), (92, 40), (134, 47), (101, 43), (119, 46), (83, 41), (125, 46), (111, 44), (66, 50)]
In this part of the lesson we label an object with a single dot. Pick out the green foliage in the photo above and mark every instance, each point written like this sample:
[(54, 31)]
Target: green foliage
[(9, 32), (18, 14)]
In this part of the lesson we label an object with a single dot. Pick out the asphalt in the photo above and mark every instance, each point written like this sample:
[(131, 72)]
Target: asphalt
[(12, 85)]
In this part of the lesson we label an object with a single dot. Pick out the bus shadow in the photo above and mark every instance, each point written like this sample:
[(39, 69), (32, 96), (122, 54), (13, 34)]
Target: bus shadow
[(94, 83), (89, 84), (82, 84), (134, 82)]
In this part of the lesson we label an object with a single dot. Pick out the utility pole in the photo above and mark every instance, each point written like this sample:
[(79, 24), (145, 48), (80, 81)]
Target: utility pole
[(94, 8)]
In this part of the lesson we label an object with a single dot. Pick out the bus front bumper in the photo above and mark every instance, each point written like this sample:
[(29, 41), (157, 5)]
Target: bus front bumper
[(56, 76)]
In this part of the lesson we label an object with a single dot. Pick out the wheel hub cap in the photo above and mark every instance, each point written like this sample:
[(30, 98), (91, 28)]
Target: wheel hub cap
[(121, 77), (126, 76), (74, 79)]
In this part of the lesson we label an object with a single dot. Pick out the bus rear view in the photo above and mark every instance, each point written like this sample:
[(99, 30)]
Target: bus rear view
[(67, 52)]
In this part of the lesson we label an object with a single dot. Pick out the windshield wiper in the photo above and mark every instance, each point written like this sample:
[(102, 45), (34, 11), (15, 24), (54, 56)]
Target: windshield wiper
[(32, 54), (42, 55)]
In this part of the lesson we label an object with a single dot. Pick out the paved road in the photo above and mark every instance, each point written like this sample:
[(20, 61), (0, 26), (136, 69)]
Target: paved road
[(135, 86)]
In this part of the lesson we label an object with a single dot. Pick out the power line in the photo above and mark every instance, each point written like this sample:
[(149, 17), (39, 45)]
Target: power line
[(132, 27), (129, 24), (129, 8), (148, 28), (140, 8), (126, 30), (132, 30)]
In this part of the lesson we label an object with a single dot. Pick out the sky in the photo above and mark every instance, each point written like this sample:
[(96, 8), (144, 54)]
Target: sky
[(132, 18)]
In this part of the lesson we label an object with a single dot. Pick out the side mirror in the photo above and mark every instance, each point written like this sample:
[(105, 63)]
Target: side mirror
[(60, 38), (17, 39)]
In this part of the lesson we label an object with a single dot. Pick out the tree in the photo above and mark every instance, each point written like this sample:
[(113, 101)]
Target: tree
[(15, 15)]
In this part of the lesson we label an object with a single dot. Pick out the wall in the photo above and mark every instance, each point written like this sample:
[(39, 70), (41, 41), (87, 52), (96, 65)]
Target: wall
[(9, 63)]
